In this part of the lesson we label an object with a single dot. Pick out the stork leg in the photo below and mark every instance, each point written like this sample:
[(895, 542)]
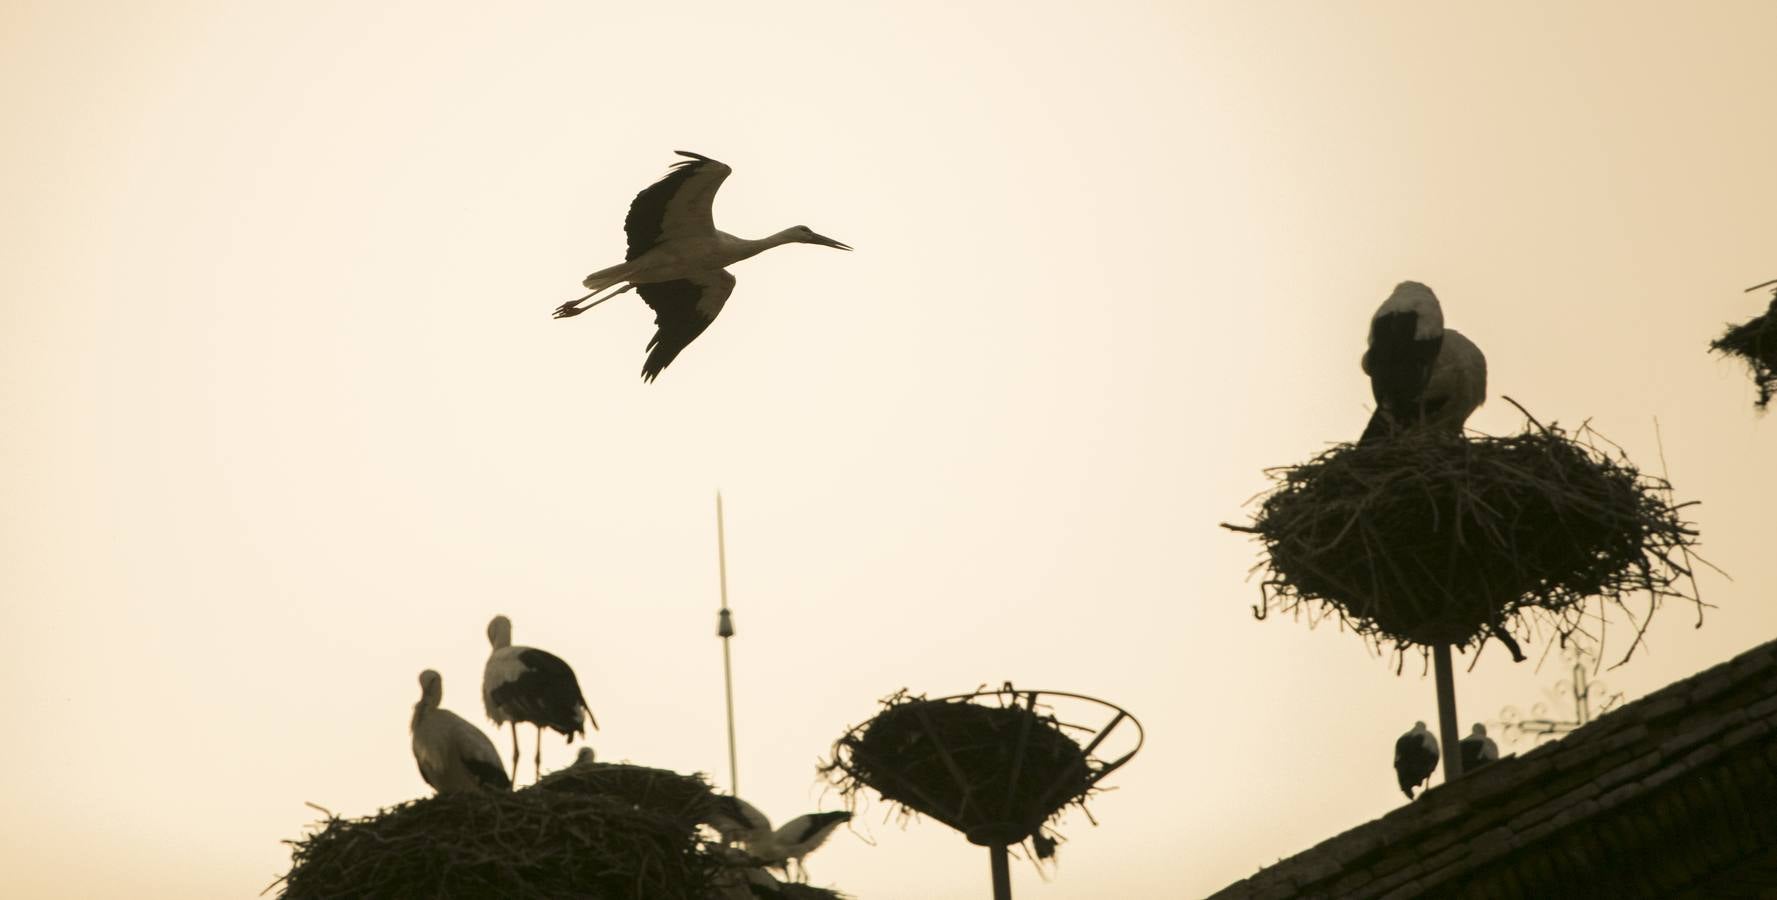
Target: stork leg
[(571, 308), (539, 769), (514, 752)]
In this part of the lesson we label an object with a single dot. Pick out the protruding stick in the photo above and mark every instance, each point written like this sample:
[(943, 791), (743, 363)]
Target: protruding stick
[(1440, 656)]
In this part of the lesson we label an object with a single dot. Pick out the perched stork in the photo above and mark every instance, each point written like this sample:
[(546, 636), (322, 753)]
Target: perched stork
[(785, 847), (453, 755), (737, 821), (524, 684), (1405, 335), (1477, 749), (677, 258), (1415, 757)]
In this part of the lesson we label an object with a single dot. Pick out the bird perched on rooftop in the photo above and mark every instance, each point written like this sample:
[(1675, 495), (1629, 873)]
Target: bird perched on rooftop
[(524, 684), (1421, 373), (785, 847), (1477, 749), (1415, 757), (677, 259), (453, 755)]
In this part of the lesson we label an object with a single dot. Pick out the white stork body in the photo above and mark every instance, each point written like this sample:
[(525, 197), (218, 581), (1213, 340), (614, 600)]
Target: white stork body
[(785, 847), (1415, 758), (677, 258), (737, 821), (1477, 749), (524, 684), (1421, 373), (452, 754)]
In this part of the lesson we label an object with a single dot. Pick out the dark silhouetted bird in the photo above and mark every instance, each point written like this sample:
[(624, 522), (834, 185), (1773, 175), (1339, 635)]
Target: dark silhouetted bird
[(1415, 758)]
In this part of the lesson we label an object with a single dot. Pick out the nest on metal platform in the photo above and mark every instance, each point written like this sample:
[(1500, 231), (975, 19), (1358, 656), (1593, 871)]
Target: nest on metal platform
[(591, 831), (995, 773), (1431, 539), (1755, 341)]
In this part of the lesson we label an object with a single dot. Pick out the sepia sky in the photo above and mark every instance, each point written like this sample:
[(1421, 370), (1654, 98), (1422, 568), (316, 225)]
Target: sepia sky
[(287, 418)]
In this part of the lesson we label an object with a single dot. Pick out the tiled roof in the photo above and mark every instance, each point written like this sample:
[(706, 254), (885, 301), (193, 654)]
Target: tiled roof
[(1674, 795)]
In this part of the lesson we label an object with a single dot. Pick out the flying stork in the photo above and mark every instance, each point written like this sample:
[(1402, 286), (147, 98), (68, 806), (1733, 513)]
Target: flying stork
[(785, 847), (1477, 749), (1421, 373), (524, 684), (453, 755), (677, 258), (1415, 756)]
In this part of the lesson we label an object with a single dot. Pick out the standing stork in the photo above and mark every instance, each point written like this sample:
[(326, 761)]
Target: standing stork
[(1477, 749), (453, 755), (524, 684), (785, 847), (1415, 758), (1422, 374), (677, 258)]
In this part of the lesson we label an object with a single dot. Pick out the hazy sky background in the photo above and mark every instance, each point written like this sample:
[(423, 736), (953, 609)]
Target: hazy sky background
[(288, 419)]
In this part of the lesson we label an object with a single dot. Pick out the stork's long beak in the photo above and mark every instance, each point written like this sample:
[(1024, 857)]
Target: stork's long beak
[(825, 241)]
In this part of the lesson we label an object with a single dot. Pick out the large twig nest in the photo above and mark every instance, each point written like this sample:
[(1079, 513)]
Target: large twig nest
[(1431, 539), (997, 773), (1755, 341), (591, 831)]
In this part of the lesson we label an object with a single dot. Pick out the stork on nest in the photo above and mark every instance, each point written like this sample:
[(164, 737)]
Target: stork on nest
[(1755, 341), (1433, 538), (591, 830)]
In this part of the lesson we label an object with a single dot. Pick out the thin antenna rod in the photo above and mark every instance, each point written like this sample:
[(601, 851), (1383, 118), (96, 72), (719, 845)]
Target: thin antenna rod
[(725, 630)]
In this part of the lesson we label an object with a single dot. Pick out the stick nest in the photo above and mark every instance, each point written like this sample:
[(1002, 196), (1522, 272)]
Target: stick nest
[(1431, 539), (1755, 341), (995, 773), (591, 831)]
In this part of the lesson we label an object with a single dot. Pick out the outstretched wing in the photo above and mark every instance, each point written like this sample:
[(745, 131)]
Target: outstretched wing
[(682, 310), (675, 206)]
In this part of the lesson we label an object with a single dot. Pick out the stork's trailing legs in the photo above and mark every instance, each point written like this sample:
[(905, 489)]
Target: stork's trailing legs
[(571, 309)]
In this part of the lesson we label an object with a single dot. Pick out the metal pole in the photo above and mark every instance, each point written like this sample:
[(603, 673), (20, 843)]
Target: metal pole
[(725, 630), (1440, 656), (1002, 872)]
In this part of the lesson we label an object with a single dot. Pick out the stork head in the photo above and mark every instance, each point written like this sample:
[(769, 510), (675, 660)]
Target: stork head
[(499, 632), (802, 234), (1479, 730), (1413, 297), (431, 688), (1419, 726)]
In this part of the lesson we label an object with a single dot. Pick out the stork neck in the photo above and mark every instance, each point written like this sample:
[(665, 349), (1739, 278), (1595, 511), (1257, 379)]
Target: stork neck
[(750, 247)]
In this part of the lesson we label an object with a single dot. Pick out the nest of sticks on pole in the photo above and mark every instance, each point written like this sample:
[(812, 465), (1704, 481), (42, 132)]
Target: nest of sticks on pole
[(1428, 539), (1755, 341), (592, 831), (997, 773)]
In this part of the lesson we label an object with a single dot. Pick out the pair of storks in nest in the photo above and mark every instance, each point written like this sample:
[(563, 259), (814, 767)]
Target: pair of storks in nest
[(519, 684)]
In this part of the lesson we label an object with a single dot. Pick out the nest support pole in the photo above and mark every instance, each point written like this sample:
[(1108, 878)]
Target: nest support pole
[(1446, 678), (1002, 872)]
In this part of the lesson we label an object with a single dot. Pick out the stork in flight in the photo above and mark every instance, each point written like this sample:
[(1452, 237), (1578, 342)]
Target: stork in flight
[(1421, 373), (677, 259)]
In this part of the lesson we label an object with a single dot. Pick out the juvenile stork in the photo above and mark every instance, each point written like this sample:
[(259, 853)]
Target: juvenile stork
[(453, 755), (677, 258), (785, 847), (1477, 749), (524, 684), (1415, 757)]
